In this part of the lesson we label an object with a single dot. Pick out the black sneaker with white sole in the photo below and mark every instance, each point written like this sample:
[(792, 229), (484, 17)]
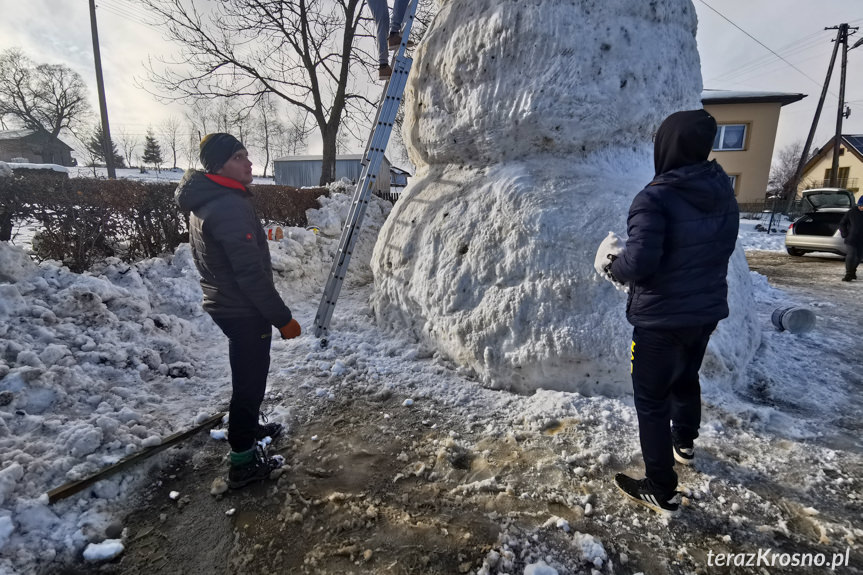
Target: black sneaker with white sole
[(271, 430), (258, 469), (685, 455), (641, 491), (266, 429)]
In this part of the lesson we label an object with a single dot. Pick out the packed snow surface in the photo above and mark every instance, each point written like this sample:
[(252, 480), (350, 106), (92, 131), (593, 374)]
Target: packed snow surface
[(94, 364), (530, 125)]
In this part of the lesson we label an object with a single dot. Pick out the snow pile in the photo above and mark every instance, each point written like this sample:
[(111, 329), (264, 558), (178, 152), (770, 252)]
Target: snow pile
[(488, 256), (311, 259), (15, 265), (753, 233), (29, 166), (96, 366)]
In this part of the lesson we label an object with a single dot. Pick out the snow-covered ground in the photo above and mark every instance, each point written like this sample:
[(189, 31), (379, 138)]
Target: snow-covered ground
[(758, 239), (96, 366), (149, 175)]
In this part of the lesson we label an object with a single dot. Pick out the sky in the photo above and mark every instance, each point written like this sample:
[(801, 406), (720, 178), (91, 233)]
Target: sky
[(58, 31)]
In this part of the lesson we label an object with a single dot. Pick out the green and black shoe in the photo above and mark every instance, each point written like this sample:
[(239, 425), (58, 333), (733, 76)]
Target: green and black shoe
[(250, 466)]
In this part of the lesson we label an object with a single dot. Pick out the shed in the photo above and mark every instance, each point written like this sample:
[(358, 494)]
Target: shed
[(305, 171), (34, 147)]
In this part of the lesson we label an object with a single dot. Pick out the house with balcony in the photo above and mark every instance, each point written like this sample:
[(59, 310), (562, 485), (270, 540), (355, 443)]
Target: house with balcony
[(747, 123), (818, 170)]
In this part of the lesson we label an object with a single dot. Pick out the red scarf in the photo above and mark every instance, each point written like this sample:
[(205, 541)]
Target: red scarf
[(227, 182)]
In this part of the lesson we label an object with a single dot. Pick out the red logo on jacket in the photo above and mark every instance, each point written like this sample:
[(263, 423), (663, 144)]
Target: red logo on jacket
[(248, 236)]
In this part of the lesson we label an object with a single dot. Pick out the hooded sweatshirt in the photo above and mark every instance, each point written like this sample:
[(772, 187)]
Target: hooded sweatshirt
[(682, 230), (230, 249)]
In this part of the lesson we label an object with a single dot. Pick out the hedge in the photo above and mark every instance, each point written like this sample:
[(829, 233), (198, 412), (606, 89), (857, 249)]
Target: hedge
[(84, 220)]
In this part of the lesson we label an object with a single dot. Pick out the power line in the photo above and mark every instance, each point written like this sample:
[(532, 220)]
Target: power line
[(766, 61), (760, 43), (126, 13), (128, 8)]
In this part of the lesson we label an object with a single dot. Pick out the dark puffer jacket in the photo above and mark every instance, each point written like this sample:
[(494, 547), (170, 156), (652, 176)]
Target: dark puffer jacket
[(230, 249), (682, 230), (851, 227)]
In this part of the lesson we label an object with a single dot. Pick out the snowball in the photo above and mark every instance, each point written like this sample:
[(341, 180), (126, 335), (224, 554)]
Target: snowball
[(15, 264), (104, 551), (540, 568), (590, 548), (9, 476), (6, 529)]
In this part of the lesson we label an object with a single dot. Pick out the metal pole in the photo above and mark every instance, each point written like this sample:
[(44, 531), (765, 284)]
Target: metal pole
[(103, 107), (796, 181), (837, 141)]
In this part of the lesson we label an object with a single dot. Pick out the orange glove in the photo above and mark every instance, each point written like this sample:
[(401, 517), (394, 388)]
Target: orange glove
[(290, 330)]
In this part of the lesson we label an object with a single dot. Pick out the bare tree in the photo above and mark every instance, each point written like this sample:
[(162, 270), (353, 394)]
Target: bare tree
[(293, 139), (301, 51), (782, 171), (199, 117), (189, 146), (128, 143), (267, 127), (170, 131), (42, 97)]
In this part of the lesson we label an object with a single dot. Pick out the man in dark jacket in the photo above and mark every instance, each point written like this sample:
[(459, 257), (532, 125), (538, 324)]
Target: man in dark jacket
[(851, 229), (682, 231), (230, 251)]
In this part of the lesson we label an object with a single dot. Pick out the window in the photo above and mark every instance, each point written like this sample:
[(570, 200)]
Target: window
[(733, 183), (730, 137), (843, 175)]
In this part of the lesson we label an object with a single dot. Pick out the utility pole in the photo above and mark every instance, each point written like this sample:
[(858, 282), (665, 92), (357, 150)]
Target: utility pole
[(837, 141), (103, 107), (841, 36)]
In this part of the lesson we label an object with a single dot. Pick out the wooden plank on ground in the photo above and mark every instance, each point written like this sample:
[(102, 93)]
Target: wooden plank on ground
[(74, 487)]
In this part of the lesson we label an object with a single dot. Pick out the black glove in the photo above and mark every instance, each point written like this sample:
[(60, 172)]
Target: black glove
[(607, 269)]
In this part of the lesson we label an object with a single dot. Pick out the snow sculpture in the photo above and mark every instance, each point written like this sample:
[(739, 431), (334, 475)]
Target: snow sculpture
[(530, 124)]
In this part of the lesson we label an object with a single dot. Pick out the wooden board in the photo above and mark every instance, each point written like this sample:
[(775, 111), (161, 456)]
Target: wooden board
[(74, 487)]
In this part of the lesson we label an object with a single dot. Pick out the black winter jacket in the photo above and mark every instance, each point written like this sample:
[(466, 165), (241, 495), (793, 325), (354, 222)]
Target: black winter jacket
[(851, 227), (682, 230), (230, 250)]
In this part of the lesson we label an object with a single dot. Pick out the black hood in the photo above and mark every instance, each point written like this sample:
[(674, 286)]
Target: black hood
[(705, 185), (684, 138), (196, 189)]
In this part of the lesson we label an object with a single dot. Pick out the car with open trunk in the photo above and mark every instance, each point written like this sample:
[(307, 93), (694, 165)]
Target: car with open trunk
[(817, 230)]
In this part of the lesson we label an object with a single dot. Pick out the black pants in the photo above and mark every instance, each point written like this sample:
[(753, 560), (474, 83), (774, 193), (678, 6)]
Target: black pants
[(665, 364), (852, 259), (249, 352)]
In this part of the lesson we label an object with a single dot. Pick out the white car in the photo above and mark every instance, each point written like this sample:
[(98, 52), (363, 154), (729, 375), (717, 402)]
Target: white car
[(818, 229)]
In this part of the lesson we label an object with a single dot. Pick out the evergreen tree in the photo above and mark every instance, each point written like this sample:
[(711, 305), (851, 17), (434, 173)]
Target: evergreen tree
[(152, 150), (97, 152)]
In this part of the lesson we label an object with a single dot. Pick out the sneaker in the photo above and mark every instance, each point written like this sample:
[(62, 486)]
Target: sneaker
[(271, 430), (385, 71), (683, 454), (641, 491), (258, 469)]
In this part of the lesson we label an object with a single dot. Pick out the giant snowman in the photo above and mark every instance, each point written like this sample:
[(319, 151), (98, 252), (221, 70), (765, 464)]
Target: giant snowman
[(530, 125)]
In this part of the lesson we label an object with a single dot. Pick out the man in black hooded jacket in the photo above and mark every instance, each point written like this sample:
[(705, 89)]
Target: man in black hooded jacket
[(231, 253), (851, 230), (682, 229)]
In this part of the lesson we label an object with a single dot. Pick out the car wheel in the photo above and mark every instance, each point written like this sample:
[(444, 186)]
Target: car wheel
[(794, 251)]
